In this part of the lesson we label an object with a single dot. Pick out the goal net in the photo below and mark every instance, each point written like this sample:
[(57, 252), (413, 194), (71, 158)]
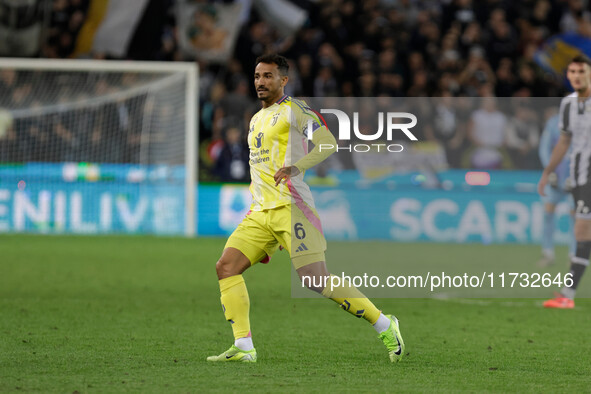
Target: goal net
[(97, 146)]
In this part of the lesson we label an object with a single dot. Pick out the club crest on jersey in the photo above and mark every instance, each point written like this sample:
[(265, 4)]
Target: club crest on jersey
[(258, 140), (274, 120)]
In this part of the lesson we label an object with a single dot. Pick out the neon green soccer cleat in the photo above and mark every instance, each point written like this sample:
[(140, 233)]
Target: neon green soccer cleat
[(236, 355), (393, 340)]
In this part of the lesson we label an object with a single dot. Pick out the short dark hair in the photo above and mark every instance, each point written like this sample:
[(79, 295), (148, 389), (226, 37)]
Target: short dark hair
[(580, 58), (273, 58)]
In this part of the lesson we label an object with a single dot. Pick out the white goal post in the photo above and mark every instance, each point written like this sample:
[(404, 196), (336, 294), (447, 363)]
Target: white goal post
[(139, 116)]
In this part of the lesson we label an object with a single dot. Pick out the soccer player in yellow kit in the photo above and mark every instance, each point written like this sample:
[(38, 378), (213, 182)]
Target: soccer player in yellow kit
[(283, 214)]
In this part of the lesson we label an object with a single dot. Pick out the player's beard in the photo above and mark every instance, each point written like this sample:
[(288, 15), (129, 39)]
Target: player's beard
[(263, 94), (267, 96)]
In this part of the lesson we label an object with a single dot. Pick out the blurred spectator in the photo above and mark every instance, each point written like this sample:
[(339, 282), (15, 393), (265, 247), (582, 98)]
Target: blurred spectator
[(325, 84), (448, 129), (471, 37), (528, 84), (503, 41), (211, 113), (237, 104), (506, 79), (64, 139), (476, 73), (8, 81), (576, 19), (523, 136), (487, 133), (304, 65), (232, 161), (7, 136)]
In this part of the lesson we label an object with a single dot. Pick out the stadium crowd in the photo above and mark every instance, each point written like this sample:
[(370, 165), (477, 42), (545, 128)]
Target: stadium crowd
[(394, 48)]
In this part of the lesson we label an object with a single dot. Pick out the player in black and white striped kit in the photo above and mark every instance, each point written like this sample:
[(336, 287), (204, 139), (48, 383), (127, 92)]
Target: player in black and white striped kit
[(575, 126)]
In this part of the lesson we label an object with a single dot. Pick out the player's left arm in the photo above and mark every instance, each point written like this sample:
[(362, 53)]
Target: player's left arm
[(545, 148), (324, 145)]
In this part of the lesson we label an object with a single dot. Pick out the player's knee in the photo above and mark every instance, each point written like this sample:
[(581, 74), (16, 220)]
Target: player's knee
[(233, 262), (314, 276), (225, 268), (220, 267), (583, 230), (315, 283)]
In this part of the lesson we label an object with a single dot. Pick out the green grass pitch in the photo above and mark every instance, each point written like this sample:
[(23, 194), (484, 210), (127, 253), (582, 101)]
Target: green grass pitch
[(140, 314)]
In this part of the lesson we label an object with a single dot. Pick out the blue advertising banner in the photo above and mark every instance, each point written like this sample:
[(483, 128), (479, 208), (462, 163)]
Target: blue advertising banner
[(439, 216), (423, 215), (92, 209), (90, 199), (402, 208)]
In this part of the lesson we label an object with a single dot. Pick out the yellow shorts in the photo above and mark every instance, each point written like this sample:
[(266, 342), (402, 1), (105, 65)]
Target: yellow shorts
[(298, 230)]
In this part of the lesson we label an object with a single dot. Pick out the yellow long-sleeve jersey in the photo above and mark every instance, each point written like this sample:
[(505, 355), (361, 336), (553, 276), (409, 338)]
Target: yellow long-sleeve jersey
[(278, 137)]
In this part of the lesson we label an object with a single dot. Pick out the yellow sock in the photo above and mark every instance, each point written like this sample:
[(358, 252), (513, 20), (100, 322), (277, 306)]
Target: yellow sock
[(236, 304), (353, 301)]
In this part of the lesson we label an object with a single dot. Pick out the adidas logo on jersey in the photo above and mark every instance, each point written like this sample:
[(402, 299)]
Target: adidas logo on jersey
[(301, 248)]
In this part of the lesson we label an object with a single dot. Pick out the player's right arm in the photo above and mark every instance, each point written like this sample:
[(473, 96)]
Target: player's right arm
[(557, 155), (563, 144)]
